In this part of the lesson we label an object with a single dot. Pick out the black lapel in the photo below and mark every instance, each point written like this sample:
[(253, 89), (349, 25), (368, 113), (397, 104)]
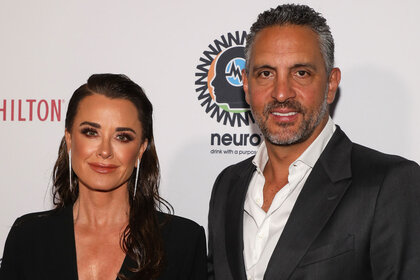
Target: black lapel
[(125, 268), (317, 201), (63, 254), (66, 245), (234, 220)]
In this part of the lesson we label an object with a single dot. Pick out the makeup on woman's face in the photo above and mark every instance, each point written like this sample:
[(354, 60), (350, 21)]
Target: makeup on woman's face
[(105, 141)]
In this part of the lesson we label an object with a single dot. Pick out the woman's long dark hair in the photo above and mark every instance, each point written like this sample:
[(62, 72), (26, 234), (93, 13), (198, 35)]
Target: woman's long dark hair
[(141, 239)]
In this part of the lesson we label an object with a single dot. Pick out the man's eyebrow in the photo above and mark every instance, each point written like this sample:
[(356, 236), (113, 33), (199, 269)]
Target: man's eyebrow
[(125, 129), (264, 66), (309, 65), (95, 125)]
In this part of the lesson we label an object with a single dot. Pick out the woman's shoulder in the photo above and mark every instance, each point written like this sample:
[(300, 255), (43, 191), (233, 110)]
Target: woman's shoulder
[(176, 224), (36, 231), (37, 221), (180, 232), (185, 248)]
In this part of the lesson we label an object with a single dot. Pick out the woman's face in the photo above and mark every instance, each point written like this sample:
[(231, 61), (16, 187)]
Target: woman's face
[(105, 142)]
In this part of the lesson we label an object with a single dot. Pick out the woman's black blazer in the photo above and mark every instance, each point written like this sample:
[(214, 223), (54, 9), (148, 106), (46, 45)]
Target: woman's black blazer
[(42, 246)]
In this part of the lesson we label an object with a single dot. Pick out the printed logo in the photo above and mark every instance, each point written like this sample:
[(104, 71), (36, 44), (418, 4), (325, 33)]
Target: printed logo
[(24, 110), (219, 81)]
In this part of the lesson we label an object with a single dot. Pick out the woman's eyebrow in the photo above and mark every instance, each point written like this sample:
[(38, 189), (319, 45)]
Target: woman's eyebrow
[(95, 125), (125, 129)]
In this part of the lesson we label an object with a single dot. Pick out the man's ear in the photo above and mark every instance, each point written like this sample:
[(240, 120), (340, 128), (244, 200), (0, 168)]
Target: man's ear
[(67, 137), (245, 85), (333, 83)]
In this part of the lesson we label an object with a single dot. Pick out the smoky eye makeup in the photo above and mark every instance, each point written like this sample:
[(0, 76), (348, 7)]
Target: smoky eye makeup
[(122, 134), (125, 137), (88, 131)]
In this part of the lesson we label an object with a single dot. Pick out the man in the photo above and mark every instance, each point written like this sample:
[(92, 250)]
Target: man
[(311, 204)]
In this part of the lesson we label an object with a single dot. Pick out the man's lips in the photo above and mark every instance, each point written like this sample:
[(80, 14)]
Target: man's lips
[(284, 114), (102, 168)]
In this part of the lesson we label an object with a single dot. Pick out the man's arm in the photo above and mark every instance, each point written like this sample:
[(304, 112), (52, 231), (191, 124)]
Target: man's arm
[(395, 236), (210, 263)]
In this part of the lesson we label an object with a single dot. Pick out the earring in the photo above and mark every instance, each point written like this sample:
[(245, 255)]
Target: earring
[(137, 177), (71, 187)]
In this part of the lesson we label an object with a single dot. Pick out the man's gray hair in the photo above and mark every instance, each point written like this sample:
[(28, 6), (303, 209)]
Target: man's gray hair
[(292, 14)]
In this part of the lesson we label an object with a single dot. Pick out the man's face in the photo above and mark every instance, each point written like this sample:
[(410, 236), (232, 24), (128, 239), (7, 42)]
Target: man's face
[(287, 86)]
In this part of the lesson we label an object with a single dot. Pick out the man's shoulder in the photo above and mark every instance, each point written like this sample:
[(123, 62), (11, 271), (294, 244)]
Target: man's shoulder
[(377, 168), (231, 175), (370, 158), (240, 168), (360, 156)]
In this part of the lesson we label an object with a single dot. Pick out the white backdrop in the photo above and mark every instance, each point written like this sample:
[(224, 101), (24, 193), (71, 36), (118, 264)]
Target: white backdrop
[(49, 48)]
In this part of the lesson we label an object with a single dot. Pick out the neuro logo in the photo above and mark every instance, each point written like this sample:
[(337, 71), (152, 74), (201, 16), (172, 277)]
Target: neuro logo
[(234, 71), (219, 81)]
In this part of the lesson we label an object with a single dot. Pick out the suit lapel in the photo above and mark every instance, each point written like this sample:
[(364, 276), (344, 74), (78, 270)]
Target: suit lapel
[(317, 201), (125, 268), (234, 221), (63, 253)]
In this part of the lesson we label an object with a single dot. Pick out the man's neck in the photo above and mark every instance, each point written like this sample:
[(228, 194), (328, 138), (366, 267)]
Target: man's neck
[(276, 171), (281, 157)]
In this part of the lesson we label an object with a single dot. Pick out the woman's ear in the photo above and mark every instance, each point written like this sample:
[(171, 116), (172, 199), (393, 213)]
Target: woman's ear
[(67, 136), (142, 149)]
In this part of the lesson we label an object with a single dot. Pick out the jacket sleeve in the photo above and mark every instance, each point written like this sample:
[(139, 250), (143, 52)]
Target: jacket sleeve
[(210, 261), (199, 258), (395, 235), (9, 268)]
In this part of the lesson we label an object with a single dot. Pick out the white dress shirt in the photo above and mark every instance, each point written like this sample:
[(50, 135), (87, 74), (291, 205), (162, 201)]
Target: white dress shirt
[(263, 229)]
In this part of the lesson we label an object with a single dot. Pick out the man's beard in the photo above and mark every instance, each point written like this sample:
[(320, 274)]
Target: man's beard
[(305, 129)]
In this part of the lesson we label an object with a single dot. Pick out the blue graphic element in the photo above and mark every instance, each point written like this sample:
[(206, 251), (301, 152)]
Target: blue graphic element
[(234, 71)]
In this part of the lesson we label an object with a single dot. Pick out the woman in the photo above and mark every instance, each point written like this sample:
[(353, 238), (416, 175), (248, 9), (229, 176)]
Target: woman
[(105, 224)]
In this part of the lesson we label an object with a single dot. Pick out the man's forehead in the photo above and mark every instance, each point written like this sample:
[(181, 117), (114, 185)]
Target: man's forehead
[(287, 41), (287, 32)]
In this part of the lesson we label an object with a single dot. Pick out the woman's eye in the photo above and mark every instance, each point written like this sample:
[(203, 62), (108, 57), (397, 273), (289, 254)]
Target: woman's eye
[(124, 137), (89, 132)]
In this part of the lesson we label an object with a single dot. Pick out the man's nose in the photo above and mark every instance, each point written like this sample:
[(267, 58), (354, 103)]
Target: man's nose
[(283, 90)]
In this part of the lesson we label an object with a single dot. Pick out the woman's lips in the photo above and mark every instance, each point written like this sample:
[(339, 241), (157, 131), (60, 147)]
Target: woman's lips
[(102, 168)]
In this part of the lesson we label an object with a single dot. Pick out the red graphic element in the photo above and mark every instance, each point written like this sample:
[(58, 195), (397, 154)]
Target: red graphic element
[(31, 109)]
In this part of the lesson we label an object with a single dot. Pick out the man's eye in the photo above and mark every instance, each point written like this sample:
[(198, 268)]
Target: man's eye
[(302, 73), (265, 74)]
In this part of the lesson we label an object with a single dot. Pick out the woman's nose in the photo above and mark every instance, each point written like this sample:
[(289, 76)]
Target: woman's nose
[(105, 149)]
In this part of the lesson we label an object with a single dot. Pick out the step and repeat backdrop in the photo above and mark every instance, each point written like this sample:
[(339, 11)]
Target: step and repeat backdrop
[(48, 48)]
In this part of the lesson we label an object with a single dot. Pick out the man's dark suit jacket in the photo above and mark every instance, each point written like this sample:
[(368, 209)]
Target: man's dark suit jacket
[(357, 217), (42, 246)]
